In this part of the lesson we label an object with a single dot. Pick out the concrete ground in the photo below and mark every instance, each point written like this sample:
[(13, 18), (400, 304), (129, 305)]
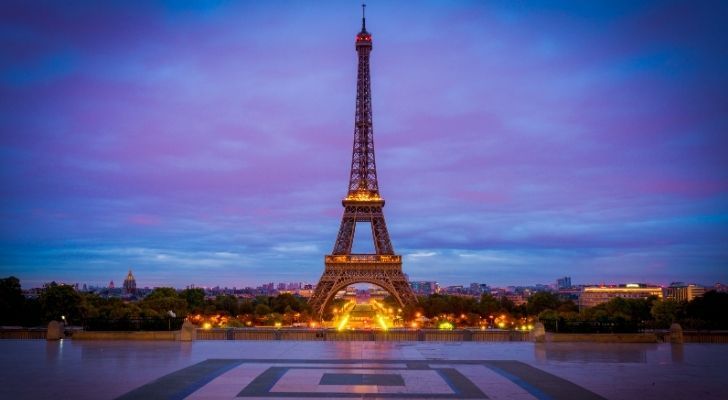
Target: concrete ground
[(411, 370)]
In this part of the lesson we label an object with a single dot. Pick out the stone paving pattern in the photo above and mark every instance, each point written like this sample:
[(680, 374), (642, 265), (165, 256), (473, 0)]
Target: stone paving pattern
[(290, 369)]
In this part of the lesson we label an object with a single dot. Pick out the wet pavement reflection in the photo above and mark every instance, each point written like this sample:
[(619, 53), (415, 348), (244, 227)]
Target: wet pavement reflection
[(108, 369)]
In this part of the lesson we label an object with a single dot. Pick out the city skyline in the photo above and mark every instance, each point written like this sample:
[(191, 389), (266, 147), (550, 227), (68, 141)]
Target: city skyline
[(516, 143)]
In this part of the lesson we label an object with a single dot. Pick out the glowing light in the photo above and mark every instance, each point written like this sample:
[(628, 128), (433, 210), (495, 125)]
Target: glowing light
[(277, 324), (363, 196), (414, 325), (342, 323), (382, 323), (501, 325), (446, 326), (207, 325)]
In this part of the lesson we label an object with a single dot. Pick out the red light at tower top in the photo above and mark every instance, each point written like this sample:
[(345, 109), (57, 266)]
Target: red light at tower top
[(364, 38)]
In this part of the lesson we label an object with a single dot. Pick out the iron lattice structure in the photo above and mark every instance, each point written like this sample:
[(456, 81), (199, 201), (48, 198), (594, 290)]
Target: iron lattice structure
[(362, 204)]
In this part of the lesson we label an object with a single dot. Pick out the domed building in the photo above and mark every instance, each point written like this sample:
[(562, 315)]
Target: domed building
[(130, 284)]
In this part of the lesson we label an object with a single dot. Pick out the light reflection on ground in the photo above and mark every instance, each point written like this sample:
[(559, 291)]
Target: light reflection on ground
[(103, 369)]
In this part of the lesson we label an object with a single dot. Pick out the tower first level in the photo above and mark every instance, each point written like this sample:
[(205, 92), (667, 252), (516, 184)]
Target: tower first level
[(341, 271)]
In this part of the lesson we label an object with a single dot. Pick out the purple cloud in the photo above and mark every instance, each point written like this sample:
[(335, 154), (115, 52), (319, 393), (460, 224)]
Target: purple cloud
[(515, 143)]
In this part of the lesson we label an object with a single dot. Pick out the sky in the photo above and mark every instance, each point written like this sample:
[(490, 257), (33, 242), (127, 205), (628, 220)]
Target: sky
[(209, 143)]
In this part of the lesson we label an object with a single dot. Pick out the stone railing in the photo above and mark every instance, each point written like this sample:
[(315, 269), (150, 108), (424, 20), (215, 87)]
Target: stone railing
[(391, 335)]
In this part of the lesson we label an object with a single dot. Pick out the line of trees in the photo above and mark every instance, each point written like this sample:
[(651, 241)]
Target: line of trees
[(54, 301), (706, 312)]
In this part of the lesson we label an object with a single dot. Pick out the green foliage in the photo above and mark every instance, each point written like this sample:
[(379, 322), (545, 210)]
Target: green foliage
[(234, 323), (162, 292), (246, 307), (226, 304), (489, 305), (507, 305), (436, 305), (195, 299), (285, 301), (666, 312), (32, 314), (568, 306), (12, 301), (57, 301), (262, 310), (163, 300), (618, 308), (541, 301), (708, 312)]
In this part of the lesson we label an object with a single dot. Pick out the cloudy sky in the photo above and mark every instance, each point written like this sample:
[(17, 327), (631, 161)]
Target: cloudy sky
[(517, 142)]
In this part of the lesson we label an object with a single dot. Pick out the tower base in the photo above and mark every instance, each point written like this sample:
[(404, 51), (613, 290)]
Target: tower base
[(341, 271)]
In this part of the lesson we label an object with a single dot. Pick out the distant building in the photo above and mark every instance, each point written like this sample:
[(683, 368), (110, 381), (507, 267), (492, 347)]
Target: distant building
[(679, 291), (595, 295), (424, 288), (517, 298), (111, 285), (571, 293), (130, 284), (563, 283), (477, 289), (455, 290)]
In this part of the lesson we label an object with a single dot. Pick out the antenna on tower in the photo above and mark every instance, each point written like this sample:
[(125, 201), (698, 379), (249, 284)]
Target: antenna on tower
[(363, 17)]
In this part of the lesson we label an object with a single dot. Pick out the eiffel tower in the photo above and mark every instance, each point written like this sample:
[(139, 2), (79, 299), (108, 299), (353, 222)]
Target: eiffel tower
[(362, 204)]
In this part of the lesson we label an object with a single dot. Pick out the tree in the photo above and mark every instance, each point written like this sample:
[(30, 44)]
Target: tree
[(57, 301), (666, 312), (161, 292), (541, 301), (709, 311), (227, 304), (283, 301), (507, 305), (12, 301), (568, 307), (261, 310), (246, 307), (488, 305), (163, 300), (195, 298)]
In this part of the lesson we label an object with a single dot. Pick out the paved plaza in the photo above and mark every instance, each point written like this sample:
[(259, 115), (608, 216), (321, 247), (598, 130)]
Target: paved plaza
[(386, 370)]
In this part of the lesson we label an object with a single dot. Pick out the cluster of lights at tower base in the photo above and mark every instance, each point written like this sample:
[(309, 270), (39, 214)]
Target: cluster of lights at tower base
[(373, 315)]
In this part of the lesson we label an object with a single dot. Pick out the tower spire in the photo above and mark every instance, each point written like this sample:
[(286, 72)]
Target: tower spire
[(363, 177), (363, 17)]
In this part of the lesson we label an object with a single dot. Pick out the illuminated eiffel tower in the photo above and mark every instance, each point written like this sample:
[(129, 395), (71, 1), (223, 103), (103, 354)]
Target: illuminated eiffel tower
[(362, 204)]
